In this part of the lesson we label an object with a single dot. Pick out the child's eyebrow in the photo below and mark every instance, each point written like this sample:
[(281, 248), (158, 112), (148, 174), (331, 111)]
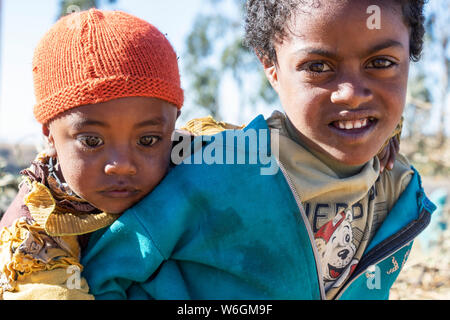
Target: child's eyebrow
[(86, 123), (317, 51), (329, 54), (147, 123), (384, 45), (151, 122)]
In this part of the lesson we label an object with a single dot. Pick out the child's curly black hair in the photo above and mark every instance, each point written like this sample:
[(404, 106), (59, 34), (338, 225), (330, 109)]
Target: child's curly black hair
[(266, 19)]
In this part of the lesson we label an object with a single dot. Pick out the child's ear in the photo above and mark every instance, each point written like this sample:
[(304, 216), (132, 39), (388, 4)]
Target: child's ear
[(50, 143), (270, 70)]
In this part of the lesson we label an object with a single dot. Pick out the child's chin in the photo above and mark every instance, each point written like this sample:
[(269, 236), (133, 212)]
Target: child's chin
[(352, 158)]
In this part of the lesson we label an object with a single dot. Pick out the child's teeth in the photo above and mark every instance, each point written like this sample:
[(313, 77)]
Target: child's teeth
[(364, 122), (348, 125)]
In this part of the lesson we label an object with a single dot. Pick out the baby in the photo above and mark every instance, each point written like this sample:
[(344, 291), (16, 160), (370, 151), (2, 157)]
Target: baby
[(108, 95)]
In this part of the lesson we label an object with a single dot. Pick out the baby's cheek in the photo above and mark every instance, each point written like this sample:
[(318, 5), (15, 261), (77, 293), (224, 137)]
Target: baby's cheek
[(155, 170), (155, 174), (79, 175)]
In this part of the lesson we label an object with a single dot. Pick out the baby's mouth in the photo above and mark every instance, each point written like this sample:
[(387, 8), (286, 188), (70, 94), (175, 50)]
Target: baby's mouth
[(354, 124), (120, 192)]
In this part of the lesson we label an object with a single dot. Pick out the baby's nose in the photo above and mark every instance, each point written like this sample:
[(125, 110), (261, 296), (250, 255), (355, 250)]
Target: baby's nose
[(120, 166)]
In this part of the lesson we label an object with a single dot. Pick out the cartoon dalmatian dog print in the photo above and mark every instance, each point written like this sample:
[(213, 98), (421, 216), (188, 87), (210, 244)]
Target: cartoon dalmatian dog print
[(336, 249)]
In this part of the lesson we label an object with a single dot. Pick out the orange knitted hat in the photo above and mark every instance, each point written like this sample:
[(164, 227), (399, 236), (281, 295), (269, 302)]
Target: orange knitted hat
[(95, 56)]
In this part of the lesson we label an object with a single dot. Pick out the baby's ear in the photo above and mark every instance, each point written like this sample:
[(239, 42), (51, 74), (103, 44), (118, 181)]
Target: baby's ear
[(50, 149)]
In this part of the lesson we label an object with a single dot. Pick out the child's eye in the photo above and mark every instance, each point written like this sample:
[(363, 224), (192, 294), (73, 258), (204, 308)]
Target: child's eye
[(316, 67), (319, 67), (148, 141), (91, 141), (381, 63)]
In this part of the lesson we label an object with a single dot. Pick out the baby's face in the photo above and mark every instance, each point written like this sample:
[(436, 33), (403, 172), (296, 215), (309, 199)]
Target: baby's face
[(341, 84), (114, 153)]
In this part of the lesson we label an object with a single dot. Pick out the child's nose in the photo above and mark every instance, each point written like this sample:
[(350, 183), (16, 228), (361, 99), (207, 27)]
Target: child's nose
[(120, 166), (351, 94)]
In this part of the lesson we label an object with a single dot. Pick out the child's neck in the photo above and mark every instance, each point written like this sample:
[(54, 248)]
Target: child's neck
[(341, 169)]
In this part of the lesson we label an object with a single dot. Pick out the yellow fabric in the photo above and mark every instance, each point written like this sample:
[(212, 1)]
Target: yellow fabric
[(29, 258), (26, 248), (49, 285), (59, 221), (207, 126)]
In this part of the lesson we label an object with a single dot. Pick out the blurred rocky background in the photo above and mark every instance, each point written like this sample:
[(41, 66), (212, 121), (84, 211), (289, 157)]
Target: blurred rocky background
[(13, 158), (426, 274)]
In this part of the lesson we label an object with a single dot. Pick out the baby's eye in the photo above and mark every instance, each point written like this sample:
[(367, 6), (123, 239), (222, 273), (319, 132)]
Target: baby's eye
[(381, 63), (148, 141), (91, 141)]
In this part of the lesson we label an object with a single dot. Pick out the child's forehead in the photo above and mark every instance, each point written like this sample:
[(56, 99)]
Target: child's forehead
[(309, 5), (335, 19), (346, 9)]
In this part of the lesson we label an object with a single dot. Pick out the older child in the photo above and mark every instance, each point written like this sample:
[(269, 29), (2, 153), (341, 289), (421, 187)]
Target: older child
[(342, 85), (108, 94), (325, 226)]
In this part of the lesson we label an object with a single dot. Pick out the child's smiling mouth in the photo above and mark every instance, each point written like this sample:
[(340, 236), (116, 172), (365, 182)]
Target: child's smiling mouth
[(354, 130), (353, 124)]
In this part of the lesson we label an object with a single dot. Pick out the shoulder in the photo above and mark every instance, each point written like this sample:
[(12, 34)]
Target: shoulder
[(401, 173), (395, 181)]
